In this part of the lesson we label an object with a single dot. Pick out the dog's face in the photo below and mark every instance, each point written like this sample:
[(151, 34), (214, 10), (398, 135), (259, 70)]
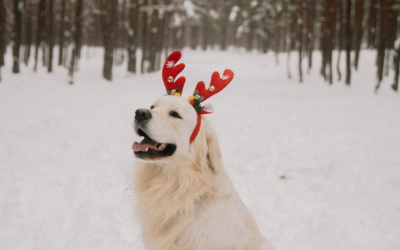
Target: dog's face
[(166, 128)]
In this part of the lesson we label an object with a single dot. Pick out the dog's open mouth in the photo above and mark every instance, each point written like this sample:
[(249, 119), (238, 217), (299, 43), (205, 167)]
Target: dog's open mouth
[(150, 148)]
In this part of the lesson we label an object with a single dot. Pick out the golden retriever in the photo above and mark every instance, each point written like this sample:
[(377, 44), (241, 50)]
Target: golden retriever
[(185, 199)]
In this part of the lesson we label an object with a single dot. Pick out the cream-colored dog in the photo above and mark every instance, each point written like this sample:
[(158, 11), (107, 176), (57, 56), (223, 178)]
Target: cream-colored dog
[(185, 199)]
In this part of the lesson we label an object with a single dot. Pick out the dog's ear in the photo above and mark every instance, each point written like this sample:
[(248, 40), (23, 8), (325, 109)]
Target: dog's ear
[(213, 153)]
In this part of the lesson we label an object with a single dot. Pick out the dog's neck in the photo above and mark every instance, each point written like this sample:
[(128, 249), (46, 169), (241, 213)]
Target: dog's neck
[(168, 195)]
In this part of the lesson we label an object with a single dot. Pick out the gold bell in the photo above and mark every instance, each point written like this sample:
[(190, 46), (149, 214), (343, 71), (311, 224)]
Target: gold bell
[(211, 88), (173, 91), (170, 79), (196, 97)]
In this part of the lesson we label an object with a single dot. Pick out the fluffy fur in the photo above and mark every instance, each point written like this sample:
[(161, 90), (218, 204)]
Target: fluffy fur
[(187, 201)]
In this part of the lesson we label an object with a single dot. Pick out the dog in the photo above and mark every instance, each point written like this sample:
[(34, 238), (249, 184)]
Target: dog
[(185, 199)]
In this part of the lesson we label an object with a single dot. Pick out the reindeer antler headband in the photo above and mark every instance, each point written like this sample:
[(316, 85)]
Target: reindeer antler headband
[(175, 87)]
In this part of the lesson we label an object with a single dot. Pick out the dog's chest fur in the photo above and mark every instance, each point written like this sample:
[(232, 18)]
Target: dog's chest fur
[(178, 211)]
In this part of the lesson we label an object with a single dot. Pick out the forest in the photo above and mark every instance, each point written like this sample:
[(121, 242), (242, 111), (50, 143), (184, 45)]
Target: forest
[(36, 28)]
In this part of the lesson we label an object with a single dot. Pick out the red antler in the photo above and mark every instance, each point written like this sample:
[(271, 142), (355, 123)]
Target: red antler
[(201, 94), (170, 71), (216, 85)]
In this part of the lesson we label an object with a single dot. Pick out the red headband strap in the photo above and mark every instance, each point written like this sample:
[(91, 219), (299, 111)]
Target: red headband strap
[(196, 129), (207, 109)]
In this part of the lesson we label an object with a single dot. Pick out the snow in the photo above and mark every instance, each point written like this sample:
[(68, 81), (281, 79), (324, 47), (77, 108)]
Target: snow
[(233, 14), (318, 165), (397, 43), (189, 8)]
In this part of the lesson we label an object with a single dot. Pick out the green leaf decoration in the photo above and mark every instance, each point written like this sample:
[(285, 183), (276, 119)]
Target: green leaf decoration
[(196, 92), (168, 92), (177, 90), (197, 107), (200, 99)]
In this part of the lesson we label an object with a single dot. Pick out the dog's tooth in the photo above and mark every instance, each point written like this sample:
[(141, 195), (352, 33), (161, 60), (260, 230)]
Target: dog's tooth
[(146, 149)]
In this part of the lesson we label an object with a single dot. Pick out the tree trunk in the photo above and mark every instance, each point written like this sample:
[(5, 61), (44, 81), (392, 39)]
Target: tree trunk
[(205, 33), (310, 30), (145, 36), (61, 33), (329, 38), (18, 6), (76, 51), (3, 32), (300, 36), (339, 35), (323, 33), (383, 7), (133, 34), (224, 25), (289, 41), (372, 23), (109, 37), (50, 36), (28, 20), (358, 18), (153, 36), (348, 41), (396, 66), (40, 26)]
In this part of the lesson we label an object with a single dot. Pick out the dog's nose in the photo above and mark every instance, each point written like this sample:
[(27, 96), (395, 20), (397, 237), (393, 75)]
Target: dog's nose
[(142, 115)]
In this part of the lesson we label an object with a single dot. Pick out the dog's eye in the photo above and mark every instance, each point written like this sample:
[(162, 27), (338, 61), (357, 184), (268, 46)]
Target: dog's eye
[(152, 106), (175, 114)]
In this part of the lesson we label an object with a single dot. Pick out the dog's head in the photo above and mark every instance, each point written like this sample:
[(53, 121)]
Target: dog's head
[(172, 123), (166, 127)]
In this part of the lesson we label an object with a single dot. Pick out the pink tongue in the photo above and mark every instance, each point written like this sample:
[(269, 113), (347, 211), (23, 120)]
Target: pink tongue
[(145, 143)]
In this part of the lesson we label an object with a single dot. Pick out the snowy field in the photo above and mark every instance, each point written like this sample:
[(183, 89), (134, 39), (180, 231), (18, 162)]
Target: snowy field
[(318, 165)]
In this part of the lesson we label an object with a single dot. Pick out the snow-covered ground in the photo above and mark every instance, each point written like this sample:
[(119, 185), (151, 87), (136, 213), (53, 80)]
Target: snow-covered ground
[(318, 165)]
